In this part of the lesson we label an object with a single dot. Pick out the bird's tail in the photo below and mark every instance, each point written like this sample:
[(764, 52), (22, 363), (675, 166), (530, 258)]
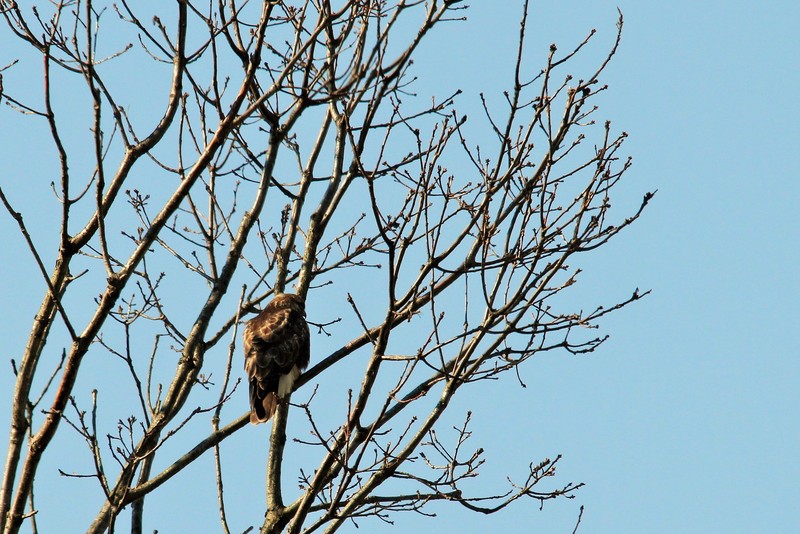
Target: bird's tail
[(262, 404)]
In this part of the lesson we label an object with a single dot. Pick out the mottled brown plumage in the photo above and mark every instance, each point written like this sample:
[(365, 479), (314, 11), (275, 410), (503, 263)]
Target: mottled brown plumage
[(276, 349)]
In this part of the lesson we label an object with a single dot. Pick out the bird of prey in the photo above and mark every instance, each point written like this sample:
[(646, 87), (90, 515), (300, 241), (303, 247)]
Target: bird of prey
[(276, 349)]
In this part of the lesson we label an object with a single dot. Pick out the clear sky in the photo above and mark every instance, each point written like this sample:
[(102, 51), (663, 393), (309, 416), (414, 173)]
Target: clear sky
[(686, 420)]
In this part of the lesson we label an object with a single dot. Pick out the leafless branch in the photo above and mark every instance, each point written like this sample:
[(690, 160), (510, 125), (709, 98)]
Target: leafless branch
[(290, 139)]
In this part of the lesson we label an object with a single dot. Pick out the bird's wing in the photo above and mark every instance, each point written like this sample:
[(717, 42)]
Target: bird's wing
[(275, 341)]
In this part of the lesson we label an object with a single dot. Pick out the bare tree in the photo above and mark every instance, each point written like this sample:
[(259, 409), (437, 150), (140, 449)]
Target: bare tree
[(290, 152)]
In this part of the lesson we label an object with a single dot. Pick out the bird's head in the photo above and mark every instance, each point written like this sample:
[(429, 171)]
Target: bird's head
[(289, 301)]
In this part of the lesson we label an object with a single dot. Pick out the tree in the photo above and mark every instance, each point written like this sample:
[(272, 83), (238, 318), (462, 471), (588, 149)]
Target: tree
[(288, 153)]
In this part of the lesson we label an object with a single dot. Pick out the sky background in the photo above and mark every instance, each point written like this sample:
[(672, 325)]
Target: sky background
[(686, 420)]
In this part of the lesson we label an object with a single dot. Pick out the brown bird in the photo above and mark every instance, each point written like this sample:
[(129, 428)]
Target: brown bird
[(276, 349)]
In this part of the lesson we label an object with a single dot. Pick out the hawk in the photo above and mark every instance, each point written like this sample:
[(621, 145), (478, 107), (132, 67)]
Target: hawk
[(276, 349)]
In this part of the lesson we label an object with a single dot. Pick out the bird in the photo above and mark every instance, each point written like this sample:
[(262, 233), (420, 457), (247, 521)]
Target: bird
[(277, 347)]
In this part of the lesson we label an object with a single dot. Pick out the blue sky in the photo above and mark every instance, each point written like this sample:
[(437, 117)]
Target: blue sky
[(686, 419)]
